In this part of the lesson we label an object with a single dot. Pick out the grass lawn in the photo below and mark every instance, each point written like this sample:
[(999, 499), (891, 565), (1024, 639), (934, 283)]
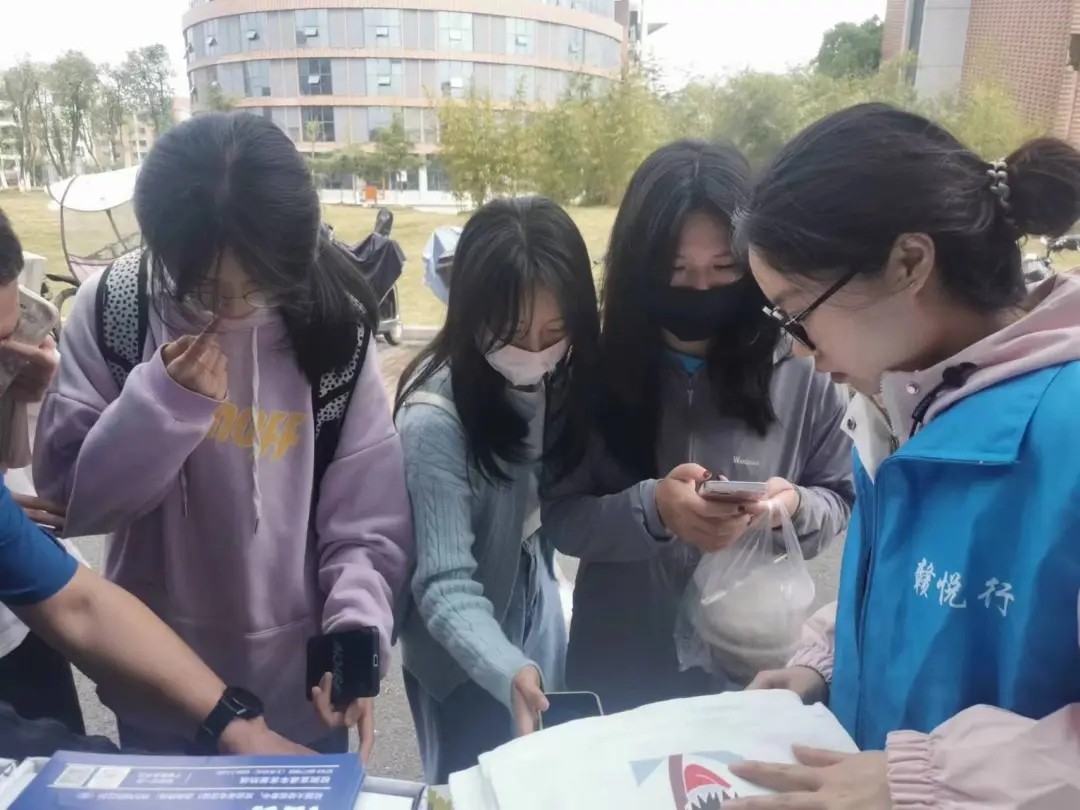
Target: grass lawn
[(39, 230)]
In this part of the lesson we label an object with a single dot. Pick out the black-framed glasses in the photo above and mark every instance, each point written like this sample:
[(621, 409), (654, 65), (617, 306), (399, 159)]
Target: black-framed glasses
[(793, 324)]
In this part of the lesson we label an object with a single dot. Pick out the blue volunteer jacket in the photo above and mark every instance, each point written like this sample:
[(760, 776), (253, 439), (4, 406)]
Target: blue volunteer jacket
[(962, 566)]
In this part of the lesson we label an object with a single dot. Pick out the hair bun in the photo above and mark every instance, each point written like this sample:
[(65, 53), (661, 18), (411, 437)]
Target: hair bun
[(1044, 187)]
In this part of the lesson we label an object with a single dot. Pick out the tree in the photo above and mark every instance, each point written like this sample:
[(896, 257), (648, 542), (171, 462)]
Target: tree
[(313, 131), (851, 49), (217, 101), (112, 111), (394, 151), (65, 109), (147, 74), (988, 120), (21, 87), (474, 147), (759, 113)]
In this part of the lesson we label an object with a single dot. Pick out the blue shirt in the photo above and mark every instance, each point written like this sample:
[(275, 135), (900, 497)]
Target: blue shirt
[(33, 566), (962, 565)]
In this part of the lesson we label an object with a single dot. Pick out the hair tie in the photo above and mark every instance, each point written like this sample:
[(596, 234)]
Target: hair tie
[(998, 172)]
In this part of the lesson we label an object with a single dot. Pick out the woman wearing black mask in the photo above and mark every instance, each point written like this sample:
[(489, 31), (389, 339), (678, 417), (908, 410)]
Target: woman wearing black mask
[(695, 381)]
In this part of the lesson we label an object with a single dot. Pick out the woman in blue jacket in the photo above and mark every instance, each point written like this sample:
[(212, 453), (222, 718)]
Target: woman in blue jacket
[(889, 252)]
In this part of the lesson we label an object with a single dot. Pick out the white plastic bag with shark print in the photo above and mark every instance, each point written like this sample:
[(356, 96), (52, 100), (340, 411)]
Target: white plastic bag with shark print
[(745, 606)]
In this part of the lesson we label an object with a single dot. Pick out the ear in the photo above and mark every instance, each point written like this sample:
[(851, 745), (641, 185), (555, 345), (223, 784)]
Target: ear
[(911, 261)]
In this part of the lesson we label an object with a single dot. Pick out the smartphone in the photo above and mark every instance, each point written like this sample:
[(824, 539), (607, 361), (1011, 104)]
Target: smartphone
[(566, 706), (733, 491), (351, 657), (37, 318)]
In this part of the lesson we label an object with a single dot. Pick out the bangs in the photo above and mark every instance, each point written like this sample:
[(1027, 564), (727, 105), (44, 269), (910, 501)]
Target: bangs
[(509, 305)]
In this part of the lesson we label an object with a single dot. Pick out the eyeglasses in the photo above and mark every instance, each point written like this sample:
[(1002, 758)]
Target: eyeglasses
[(793, 324)]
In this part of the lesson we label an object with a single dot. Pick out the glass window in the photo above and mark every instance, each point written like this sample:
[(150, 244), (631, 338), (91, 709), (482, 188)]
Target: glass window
[(437, 179), (253, 31), (384, 77), (455, 79), (317, 124), (378, 118), (520, 36), (521, 81), (455, 31), (311, 26), (315, 77), (382, 28), (576, 45), (257, 78), (210, 45)]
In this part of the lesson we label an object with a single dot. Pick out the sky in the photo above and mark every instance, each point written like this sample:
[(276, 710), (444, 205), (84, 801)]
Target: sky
[(703, 37)]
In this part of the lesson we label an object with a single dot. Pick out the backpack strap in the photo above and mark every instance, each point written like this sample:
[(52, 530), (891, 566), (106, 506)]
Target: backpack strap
[(330, 404), (122, 316), (435, 400)]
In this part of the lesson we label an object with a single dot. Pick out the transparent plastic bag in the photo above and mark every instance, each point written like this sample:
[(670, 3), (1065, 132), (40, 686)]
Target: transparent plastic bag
[(745, 606)]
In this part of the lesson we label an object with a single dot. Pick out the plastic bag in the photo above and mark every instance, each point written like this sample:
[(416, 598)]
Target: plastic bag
[(745, 606)]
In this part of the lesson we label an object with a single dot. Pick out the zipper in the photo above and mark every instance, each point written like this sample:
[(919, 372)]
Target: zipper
[(692, 440)]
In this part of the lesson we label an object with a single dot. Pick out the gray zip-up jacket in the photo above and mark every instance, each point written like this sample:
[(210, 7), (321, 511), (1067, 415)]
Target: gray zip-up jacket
[(633, 573)]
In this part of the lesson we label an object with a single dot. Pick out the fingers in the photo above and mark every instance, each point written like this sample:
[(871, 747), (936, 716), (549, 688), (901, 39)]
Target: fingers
[(764, 680), (367, 732), (690, 473), (209, 334), (781, 778), (171, 352), (818, 758), (45, 518), (525, 720), (320, 696), (718, 510), (786, 801)]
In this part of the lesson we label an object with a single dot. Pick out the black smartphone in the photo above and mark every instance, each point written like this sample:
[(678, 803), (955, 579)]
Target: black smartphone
[(351, 657), (566, 706)]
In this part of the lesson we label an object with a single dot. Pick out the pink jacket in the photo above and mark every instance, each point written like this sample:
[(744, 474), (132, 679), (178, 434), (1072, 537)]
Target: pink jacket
[(982, 758)]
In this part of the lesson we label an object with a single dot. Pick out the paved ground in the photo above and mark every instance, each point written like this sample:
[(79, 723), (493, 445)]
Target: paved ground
[(395, 750)]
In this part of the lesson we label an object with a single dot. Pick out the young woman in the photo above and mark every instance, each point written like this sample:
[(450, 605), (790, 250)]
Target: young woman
[(695, 380), (498, 393), (245, 533), (889, 252)]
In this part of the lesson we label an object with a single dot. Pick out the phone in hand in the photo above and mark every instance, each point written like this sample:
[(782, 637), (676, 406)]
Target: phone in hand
[(733, 491), (566, 706), (352, 659), (37, 318)]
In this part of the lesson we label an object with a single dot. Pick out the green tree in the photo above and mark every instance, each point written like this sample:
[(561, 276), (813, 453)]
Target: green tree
[(759, 113), (851, 49), (111, 113), (313, 132), (217, 101), (148, 74), (394, 152), (21, 87), (476, 149), (988, 120), (65, 104)]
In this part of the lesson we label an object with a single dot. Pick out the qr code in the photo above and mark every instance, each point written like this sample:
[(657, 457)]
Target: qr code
[(109, 778), (74, 776)]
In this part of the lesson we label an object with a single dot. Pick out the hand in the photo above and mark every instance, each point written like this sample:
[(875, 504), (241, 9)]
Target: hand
[(803, 681), (359, 713), (528, 700), (198, 364), (42, 511), (254, 737), (39, 364), (707, 524), (824, 781), (782, 492)]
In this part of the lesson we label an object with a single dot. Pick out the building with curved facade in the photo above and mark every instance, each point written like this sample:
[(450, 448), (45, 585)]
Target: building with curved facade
[(336, 71)]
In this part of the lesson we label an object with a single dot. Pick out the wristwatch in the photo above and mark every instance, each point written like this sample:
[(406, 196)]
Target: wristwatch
[(236, 703)]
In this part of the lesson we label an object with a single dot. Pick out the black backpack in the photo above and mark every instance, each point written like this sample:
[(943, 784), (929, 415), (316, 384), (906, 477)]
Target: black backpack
[(123, 320)]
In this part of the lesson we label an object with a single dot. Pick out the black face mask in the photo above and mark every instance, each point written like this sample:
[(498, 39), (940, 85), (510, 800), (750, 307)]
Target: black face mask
[(692, 315)]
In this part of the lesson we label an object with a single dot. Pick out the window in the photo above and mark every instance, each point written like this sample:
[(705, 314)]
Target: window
[(1074, 51), (575, 49), (315, 77), (318, 124), (209, 40), (455, 79), (520, 36), (384, 77), (257, 79), (311, 28), (252, 31), (521, 82), (378, 118), (437, 179), (382, 28), (455, 31)]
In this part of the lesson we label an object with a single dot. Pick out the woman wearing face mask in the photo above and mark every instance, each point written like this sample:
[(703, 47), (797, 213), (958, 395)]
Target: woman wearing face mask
[(961, 572), (484, 637), (695, 380), (237, 514)]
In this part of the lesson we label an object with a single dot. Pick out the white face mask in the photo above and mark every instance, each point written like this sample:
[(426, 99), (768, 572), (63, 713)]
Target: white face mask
[(523, 368)]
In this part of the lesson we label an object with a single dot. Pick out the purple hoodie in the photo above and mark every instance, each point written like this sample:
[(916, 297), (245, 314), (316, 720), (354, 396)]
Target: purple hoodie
[(208, 505)]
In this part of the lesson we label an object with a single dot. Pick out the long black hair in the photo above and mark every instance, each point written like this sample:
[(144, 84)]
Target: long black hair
[(235, 181), (508, 249), (683, 178), (838, 196)]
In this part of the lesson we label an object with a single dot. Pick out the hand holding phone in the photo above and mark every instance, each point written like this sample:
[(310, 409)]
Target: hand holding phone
[(717, 489), (28, 356), (564, 707)]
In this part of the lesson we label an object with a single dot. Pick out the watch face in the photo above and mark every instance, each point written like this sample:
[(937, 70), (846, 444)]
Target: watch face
[(245, 703)]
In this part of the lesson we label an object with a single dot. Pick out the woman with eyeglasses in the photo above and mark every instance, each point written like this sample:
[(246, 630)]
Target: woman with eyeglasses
[(245, 464), (695, 381), (952, 657)]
